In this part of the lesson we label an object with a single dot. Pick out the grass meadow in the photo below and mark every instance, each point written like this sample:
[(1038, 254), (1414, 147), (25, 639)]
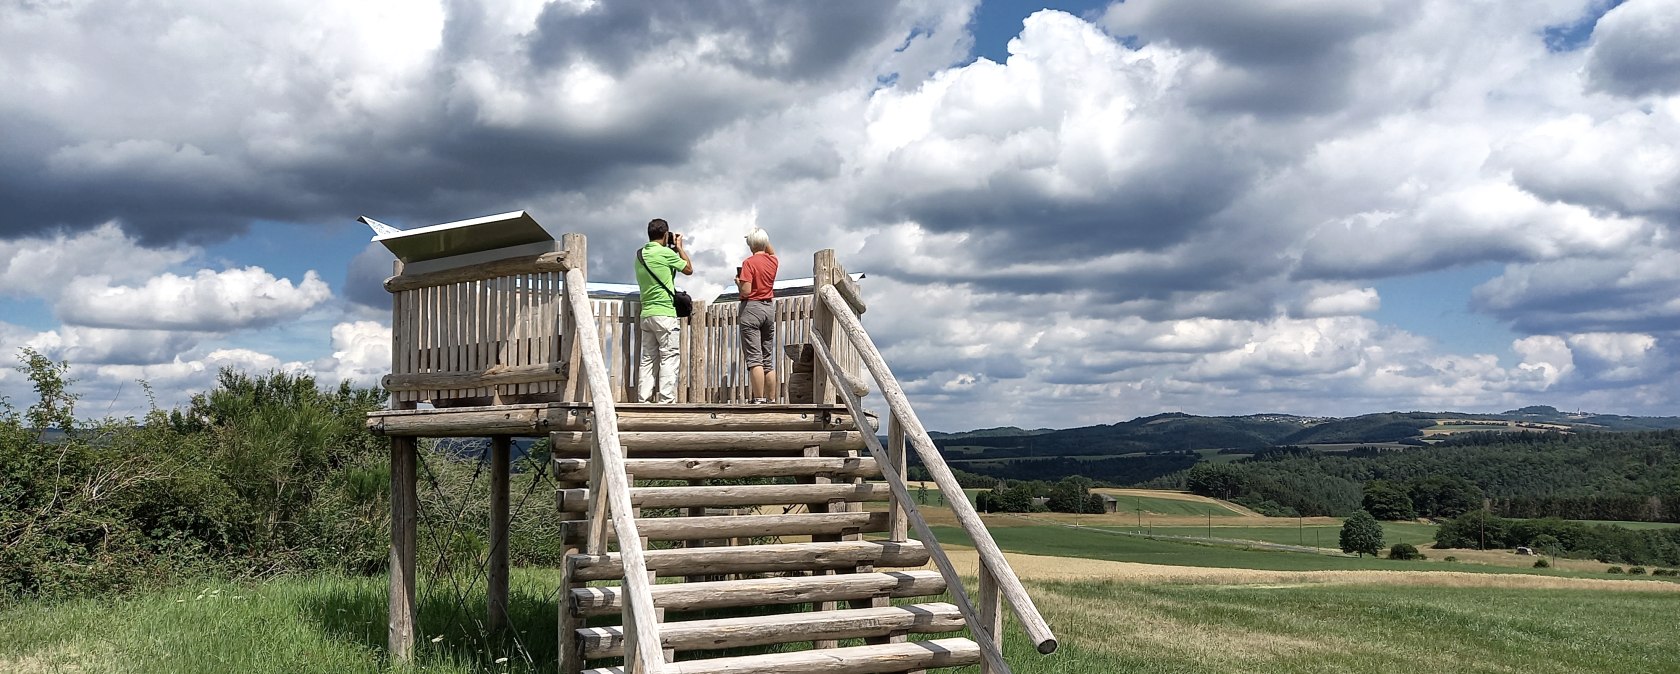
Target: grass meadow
[(337, 625)]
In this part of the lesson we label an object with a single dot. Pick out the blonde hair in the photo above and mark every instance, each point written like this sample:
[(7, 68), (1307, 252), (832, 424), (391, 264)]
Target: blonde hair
[(758, 240)]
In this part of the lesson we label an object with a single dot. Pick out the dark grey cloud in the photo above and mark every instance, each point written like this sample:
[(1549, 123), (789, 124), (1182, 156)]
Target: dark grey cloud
[(761, 37), (1629, 294), (1276, 58), (475, 126)]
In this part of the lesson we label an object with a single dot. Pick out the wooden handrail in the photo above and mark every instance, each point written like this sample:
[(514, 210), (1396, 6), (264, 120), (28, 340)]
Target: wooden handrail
[(895, 482), (643, 651), (990, 554)]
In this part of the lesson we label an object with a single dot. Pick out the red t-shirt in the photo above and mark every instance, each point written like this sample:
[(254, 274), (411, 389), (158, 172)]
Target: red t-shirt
[(760, 271)]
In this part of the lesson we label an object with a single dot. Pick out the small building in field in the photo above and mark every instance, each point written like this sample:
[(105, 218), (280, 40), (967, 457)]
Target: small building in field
[(1110, 504)]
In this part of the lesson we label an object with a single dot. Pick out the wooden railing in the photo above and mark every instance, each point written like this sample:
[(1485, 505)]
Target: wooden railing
[(837, 323), (610, 499)]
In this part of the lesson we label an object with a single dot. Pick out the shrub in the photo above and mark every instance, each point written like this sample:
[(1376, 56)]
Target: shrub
[(1613, 569), (1636, 571), (1361, 534), (1450, 558), (1662, 572), (1405, 551), (1542, 564)]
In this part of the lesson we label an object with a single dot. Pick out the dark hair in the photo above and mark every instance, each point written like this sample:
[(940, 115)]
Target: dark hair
[(657, 228)]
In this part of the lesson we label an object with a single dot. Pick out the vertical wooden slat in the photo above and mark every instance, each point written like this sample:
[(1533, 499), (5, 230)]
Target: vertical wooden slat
[(991, 615)]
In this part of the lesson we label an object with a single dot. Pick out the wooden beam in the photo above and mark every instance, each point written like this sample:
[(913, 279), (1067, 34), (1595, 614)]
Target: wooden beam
[(697, 441), (754, 559), (454, 423), (933, 653), (717, 633), (404, 515), (724, 496), (850, 291), (778, 590), (703, 527), (727, 468), (638, 612), (496, 576), (495, 375), (717, 417), (1032, 622), (559, 261)]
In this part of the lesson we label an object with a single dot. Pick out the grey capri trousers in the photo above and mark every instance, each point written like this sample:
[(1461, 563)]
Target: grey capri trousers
[(758, 332)]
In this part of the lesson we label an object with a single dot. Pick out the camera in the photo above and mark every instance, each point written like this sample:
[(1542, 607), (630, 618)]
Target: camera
[(671, 239)]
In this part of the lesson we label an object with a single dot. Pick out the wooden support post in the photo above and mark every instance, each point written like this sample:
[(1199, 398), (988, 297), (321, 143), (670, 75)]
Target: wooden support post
[(577, 255), (571, 648), (822, 325), (404, 515), (496, 576), (898, 526), (991, 614)]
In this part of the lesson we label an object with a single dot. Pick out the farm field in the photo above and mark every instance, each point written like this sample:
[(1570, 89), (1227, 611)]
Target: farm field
[(1632, 525), (1312, 536)]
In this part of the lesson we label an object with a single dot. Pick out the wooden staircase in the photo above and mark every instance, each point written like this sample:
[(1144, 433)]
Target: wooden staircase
[(819, 568)]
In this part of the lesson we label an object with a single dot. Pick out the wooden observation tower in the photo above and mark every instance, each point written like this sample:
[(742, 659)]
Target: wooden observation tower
[(494, 326)]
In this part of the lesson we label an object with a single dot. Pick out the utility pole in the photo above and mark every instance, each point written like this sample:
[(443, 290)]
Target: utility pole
[(1210, 524)]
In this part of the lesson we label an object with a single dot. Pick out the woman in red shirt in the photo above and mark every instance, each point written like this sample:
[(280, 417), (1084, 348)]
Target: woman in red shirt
[(756, 281)]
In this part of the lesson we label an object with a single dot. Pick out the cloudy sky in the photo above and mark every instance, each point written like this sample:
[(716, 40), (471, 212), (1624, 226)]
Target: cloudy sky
[(1069, 215)]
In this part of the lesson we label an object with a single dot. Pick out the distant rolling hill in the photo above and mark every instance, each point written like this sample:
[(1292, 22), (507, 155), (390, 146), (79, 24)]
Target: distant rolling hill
[(1177, 432)]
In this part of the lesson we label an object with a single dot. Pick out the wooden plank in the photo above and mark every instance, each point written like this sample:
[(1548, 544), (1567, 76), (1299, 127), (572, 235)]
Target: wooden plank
[(781, 590), (557, 261), (990, 555), (991, 617), (952, 652), (753, 559), (719, 496), (718, 633), (477, 380), (703, 527), (732, 468), (680, 441), (822, 324)]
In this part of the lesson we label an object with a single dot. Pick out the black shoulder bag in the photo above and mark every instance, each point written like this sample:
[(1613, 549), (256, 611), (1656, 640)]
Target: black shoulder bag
[(679, 298)]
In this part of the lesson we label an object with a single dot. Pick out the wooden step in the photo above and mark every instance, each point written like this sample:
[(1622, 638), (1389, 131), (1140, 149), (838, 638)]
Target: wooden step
[(756, 559), (728, 496), (740, 526), (645, 417), (783, 628), (878, 659), (730, 443), (593, 601), (729, 468)]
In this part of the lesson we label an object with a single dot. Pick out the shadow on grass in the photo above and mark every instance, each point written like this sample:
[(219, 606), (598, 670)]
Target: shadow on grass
[(356, 613)]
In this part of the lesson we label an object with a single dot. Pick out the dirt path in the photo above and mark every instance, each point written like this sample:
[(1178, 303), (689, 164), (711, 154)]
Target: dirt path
[(1036, 567)]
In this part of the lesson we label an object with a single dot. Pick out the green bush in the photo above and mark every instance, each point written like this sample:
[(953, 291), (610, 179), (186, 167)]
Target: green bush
[(1405, 551), (1636, 571), (1449, 558), (1542, 564), (1613, 569)]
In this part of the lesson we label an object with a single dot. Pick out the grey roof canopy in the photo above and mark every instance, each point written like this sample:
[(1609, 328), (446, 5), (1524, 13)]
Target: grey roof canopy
[(465, 237)]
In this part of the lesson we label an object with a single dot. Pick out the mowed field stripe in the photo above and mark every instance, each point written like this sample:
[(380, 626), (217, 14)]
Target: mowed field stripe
[(1039, 567)]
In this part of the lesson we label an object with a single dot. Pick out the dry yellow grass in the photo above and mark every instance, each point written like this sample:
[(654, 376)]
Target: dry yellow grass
[(1177, 496), (1037, 567)]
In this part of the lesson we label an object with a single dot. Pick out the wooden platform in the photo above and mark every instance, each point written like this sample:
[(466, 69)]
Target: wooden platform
[(536, 420)]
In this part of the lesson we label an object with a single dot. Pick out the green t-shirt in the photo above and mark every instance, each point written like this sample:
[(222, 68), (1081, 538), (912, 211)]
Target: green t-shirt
[(664, 262)]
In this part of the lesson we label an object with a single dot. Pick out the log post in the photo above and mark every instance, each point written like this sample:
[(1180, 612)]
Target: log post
[(897, 524), (576, 247), (404, 515), (991, 615), (496, 576), (822, 325)]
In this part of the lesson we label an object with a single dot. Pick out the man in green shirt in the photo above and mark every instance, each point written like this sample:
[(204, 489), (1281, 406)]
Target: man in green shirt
[(657, 264)]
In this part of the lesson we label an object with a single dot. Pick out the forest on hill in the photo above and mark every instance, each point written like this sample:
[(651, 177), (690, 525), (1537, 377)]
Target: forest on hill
[(1600, 476)]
